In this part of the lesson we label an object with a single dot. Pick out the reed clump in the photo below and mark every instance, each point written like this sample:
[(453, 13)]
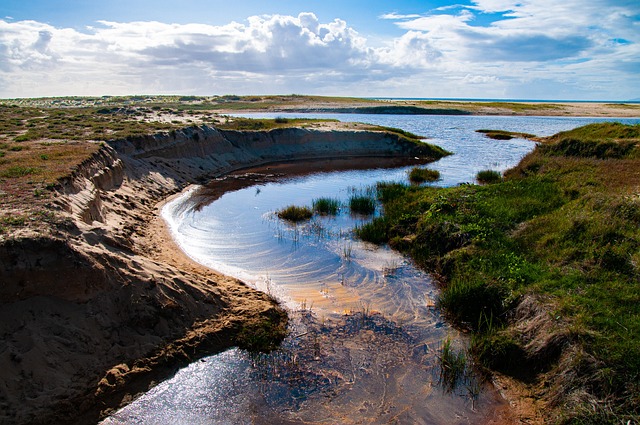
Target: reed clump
[(295, 213), (488, 176), (326, 206), (362, 204), (421, 175)]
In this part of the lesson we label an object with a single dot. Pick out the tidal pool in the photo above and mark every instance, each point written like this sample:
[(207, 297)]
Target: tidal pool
[(365, 336)]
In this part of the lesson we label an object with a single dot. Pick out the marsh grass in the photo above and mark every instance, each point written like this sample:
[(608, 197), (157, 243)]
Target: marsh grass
[(294, 213), (505, 135), (326, 206), (347, 252), (453, 366), (488, 176), (563, 225), (420, 175), (374, 231), (362, 204), (264, 335), (401, 132)]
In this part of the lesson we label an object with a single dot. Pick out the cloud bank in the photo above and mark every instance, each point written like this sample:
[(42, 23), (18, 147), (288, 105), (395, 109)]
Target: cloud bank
[(527, 49)]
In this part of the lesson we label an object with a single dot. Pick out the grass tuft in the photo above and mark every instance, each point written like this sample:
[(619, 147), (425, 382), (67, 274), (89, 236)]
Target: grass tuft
[(488, 176), (505, 135), (362, 204), (295, 214), (18, 171), (421, 175), (326, 206), (262, 336), (453, 365)]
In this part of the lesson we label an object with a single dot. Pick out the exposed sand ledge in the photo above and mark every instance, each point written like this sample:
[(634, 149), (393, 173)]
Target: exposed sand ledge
[(107, 303)]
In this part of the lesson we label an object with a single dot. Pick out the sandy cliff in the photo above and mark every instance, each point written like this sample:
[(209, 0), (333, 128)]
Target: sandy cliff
[(93, 312)]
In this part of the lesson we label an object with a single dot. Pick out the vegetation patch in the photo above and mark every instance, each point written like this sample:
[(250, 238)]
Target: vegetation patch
[(263, 336), (420, 175), (453, 365), (18, 171), (601, 149), (505, 135), (294, 213), (326, 206), (362, 204), (488, 176), (560, 228)]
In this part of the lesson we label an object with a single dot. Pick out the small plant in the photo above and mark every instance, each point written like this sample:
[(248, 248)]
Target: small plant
[(453, 365), (365, 205), (326, 206), (262, 336), (295, 214), (347, 252), (421, 175), (375, 231), (488, 176), (390, 268)]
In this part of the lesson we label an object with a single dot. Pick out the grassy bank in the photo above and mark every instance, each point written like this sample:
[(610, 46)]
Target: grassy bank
[(542, 267)]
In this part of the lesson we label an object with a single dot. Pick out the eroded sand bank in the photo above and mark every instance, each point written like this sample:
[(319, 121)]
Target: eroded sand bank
[(92, 314)]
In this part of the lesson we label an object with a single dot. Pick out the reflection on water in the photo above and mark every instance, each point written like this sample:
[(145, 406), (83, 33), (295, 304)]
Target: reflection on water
[(365, 336)]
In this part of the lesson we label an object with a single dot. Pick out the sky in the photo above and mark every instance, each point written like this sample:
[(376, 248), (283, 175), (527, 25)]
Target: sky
[(471, 49)]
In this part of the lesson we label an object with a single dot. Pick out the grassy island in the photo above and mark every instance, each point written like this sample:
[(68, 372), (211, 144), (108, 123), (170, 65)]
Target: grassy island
[(543, 268)]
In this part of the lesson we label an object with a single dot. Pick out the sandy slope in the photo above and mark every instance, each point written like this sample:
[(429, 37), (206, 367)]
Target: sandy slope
[(96, 311)]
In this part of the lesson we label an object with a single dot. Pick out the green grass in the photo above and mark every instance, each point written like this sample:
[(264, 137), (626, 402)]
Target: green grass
[(326, 206), (563, 226), (453, 365), (420, 175), (18, 171), (488, 176), (362, 204), (294, 213)]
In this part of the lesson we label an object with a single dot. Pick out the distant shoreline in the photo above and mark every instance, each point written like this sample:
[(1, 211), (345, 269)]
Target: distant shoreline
[(470, 99), (201, 109)]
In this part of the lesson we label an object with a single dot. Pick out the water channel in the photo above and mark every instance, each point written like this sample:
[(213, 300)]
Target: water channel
[(365, 334)]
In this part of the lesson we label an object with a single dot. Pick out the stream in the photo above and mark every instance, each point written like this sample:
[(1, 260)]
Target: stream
[(365, 336)]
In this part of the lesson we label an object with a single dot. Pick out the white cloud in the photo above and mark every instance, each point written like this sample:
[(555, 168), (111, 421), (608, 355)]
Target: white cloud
[(396, 16), (129, 52), (447, 52)]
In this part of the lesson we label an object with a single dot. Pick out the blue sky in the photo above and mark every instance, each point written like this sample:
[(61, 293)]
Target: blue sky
[(517, 49)]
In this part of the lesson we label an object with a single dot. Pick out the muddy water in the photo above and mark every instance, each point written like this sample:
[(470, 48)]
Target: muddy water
[(365, 336)]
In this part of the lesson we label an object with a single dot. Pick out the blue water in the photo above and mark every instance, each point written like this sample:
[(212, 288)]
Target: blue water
[(445, 99)]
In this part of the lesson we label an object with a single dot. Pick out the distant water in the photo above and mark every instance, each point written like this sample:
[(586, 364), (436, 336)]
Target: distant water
[(447, 99)]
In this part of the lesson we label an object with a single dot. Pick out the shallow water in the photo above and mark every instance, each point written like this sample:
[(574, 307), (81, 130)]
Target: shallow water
[(365, 336)]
